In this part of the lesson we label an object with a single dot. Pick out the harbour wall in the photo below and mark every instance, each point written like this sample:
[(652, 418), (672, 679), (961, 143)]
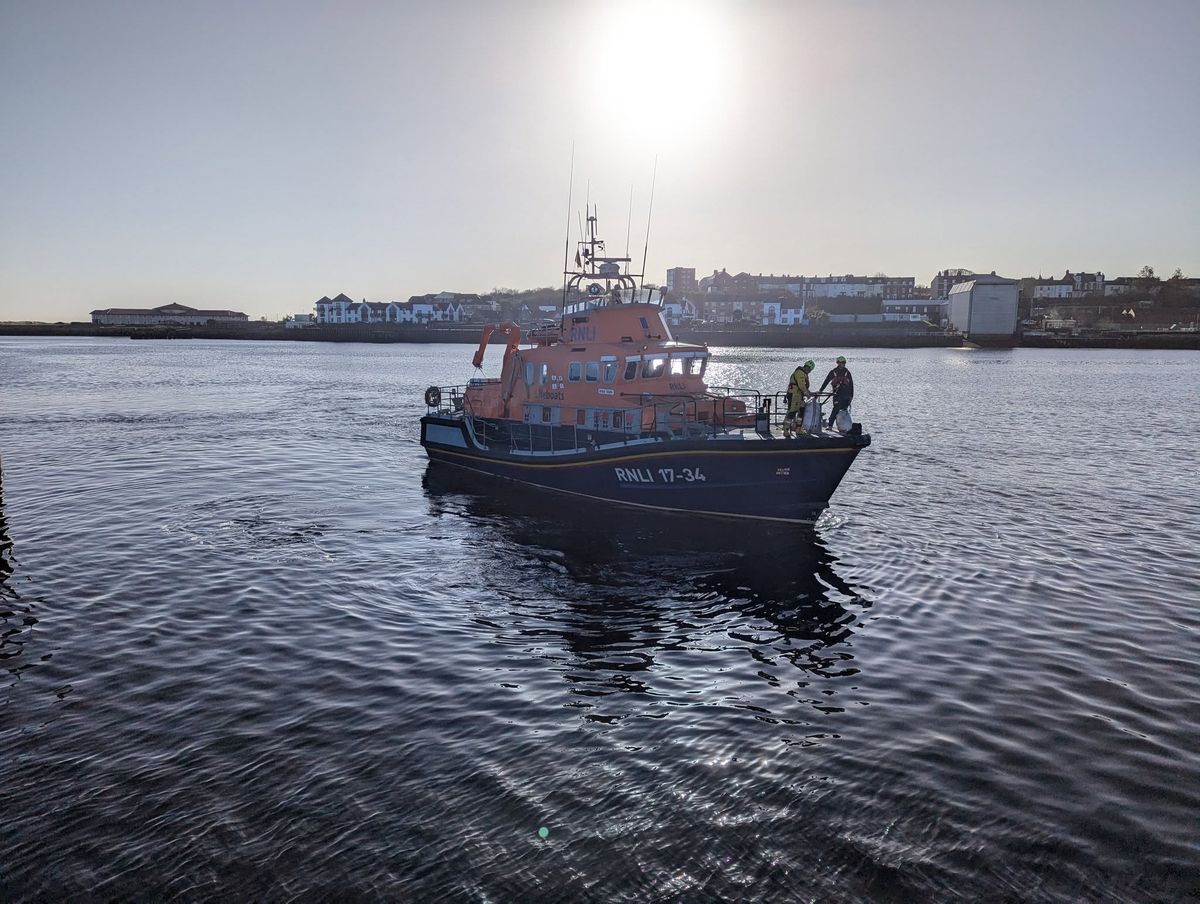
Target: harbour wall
[(857, 336), (765, 337)]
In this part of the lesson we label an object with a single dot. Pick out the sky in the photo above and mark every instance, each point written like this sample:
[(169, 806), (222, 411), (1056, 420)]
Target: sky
[(257, 156)]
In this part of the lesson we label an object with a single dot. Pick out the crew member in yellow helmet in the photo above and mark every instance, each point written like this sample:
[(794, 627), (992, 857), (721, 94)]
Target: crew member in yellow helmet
[(797, 394)]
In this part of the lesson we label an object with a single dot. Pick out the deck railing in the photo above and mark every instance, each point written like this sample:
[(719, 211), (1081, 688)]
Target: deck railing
[(724, 410)]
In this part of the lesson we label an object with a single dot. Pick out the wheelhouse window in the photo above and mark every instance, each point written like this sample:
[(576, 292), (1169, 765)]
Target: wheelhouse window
[(593, 371), (573, 372), (631, 367), (677, 367), (529, 373), (543, 372), (609, 368), (695, 366), (653, 367)]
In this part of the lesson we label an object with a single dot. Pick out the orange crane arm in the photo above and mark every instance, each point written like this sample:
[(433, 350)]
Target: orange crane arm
[(510, 329)]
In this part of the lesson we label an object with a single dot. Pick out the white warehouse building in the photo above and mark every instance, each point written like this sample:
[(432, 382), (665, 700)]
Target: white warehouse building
[(984, 307)]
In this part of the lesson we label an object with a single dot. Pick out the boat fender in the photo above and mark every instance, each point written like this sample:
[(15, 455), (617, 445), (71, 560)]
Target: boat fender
[(433, 397)]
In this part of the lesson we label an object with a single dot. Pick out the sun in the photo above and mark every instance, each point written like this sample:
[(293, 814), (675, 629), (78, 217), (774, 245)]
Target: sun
[(659, 65)]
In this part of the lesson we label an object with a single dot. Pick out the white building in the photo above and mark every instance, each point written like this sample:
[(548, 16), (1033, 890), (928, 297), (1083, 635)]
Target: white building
[(448, 311), (342, 310), (678, 312), (457, 306), (335, 310), (783, 313), (984, 307), (427, 312), (1053, 288), (375, 312), (1087, 283), (417, 312)]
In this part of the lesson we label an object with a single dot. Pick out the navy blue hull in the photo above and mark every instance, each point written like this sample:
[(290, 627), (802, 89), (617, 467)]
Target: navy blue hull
[(772, 479)]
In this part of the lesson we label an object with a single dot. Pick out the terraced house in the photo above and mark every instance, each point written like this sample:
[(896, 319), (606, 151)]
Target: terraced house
[(345, 310)]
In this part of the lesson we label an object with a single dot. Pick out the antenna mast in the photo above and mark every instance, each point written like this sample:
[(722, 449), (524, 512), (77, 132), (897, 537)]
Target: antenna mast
[(567, 243), (629, 222), (649, 211)]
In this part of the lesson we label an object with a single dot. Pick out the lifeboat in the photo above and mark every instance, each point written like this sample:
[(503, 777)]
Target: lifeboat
[(605, 404)]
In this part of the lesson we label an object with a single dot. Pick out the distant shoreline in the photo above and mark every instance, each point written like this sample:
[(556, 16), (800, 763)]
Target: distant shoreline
[(838, 335)]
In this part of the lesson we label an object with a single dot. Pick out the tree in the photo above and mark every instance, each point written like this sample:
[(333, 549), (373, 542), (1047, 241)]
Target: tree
[(1147, 272), (1177, 275)]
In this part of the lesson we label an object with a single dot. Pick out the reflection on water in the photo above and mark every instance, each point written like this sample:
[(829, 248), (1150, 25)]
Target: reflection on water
[(653, 606), (6, 545), (16, 615), (766, 564)]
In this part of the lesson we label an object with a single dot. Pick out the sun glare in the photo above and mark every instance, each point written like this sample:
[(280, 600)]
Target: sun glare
[(659, 64)]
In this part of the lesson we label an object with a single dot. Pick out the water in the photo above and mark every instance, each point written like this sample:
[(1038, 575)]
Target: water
[(253, 650)]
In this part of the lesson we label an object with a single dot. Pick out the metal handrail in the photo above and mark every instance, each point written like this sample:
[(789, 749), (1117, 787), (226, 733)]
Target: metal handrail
[(675, 414)]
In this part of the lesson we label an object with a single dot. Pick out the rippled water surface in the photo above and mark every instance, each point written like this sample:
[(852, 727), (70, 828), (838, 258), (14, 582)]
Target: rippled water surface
[(253, 648)]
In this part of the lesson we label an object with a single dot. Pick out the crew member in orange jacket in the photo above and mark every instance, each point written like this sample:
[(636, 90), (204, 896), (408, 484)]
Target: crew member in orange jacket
[(842, 384)]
